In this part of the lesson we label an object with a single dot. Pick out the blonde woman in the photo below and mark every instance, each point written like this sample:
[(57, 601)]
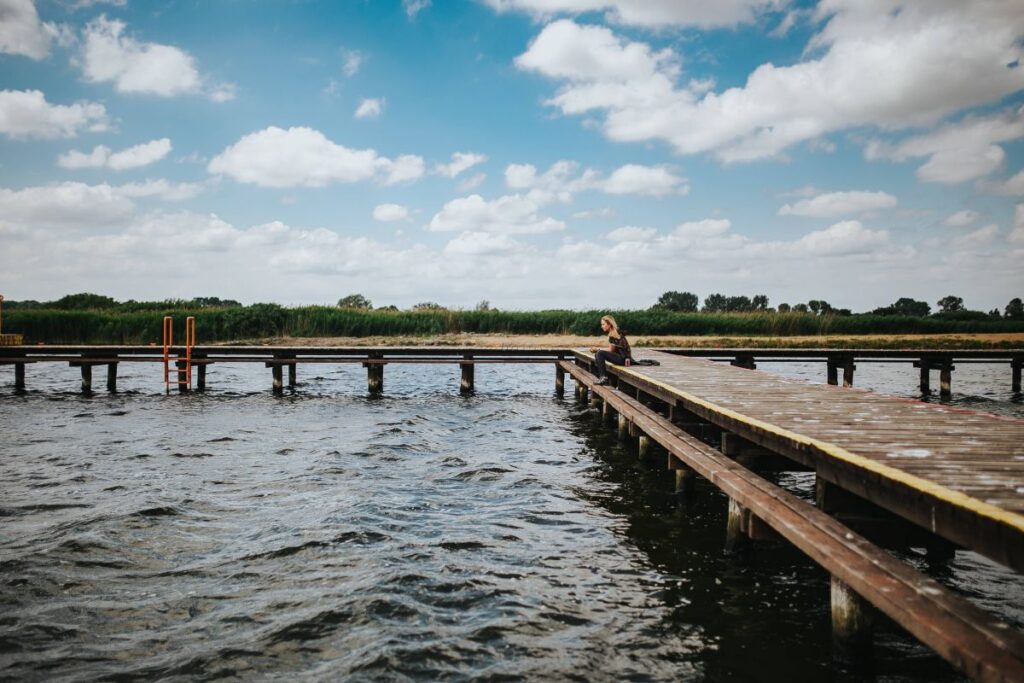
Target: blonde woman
[(617, 351)]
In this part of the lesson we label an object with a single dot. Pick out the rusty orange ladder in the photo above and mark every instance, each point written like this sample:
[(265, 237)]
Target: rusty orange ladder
[(190, 342)]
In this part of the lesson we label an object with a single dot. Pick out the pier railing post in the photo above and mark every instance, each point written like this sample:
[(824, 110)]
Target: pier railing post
[(19, 376)]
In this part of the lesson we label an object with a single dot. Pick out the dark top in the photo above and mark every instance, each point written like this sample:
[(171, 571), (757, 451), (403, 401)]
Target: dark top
[(621, 345)]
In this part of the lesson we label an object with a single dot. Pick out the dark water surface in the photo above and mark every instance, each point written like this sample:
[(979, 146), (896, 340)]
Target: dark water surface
[(327, 535)]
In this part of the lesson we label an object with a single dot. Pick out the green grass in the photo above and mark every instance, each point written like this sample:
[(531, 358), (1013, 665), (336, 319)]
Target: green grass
[(269, 320)]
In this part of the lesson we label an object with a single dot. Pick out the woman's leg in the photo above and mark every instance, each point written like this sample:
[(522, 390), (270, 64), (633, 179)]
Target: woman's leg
[(602, 357)]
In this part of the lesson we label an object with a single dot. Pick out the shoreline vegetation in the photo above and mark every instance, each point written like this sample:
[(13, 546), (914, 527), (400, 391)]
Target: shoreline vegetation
[(95, 319)]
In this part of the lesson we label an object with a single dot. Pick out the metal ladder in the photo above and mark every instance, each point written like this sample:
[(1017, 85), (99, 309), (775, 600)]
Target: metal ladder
[(190, 342)]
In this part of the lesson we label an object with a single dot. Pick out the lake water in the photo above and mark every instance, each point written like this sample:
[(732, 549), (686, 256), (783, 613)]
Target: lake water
[(323, 534)]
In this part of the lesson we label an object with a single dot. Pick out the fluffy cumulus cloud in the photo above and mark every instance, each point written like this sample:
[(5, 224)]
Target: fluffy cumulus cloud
[(275, 157), (871, 62), (962, 151), (834, 204), (1017, 234), (564, 179), (21, 31), (508, 215), (27, 114), (102, 157), (390, 213), (961, 219), (370, 108), (648, 13), (1013, 186), (109, 55), (631, 233), (461, 161), (841, 239)]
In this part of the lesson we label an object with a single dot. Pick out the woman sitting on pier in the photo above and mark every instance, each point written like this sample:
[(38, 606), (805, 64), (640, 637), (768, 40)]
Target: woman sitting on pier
[(617, 351)]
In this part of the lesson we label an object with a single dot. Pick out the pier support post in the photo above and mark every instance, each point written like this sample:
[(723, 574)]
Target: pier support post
[(623, 427), (19, 376), (292, 375), (606, 412), (201, 377), (278, 374), (686, 478), (375, 377), (559, 381), (643, 446), (848, 370), (926, 379), (833, 373), (852, 624), (744, 362), (946, 380), (86, 378), (111, 377), (736, 539), (1015, 368), (466, 383)]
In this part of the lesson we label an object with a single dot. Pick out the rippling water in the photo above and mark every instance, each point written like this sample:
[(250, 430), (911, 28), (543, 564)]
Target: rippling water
[(323, 534)]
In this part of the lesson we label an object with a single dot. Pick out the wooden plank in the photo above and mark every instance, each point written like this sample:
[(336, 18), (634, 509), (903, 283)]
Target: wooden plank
[(972, 640)]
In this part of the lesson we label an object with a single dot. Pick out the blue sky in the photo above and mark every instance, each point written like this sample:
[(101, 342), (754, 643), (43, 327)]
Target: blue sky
[(534, 153)]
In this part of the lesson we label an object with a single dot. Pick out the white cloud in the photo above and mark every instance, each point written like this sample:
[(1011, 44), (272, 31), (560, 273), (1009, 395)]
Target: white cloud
[(133, 157), (1012, 186), (108, 55), (605, 212), (979, 237), (480, 243), (390, 213), (27, 114), (648, 13), (958, 152), (709, 227), (161, 189), (461, 161), (65, 205), (834, 204), (562, 181), (871, 66), (961, 219), (274, 157), (414, 7), (472, 182), (841, 239), (1017, 234), (21, 31), (370, 108), (509, 215), (352, 61), (631, 233)]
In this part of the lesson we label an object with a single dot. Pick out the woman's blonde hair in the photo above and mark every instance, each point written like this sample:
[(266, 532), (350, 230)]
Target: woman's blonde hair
[(612, 324)]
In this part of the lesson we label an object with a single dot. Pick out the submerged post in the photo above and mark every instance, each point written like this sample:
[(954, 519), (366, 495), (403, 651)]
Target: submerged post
[(623, 427), (643, 446), (278, 375), (111, 376), (86, 378), (736, 539), (852, 623), (848, 374), (201, 377), (833, 373), (1016, 366), (946, 380), (926, 379), (559, 381), (466, 382), (19, 376), (292, 375)]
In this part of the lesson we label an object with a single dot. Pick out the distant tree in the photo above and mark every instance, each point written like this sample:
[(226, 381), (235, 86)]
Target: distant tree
[(428, 306), (739, 304), (483, 306), (760, 302), (715, 303), (214, 302), (678, 301), (389, 307), (905, 306), (950, 304), (994, 313), (73, 302), (801, 308), (784, 308), (819, 307), (1014, 309), (355, 301), (842, 311)]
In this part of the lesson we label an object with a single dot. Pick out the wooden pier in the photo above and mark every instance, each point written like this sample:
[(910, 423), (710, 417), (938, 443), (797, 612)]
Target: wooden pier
[(888, 472), (935, 477)]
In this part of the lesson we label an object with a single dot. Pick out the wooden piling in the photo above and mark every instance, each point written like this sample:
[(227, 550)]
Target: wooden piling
[(86, 378), (19, 376), (623, 427), (852, 624), (111, 377), (848, 370), (736, 539), (292, 375), (1015, 368), (278, 375), (946, 380), (201, 377), (643, 446), (833, 373), (559, 381), (926, 376), (606, 412), (375, 378), (466, 383), (744, 362)]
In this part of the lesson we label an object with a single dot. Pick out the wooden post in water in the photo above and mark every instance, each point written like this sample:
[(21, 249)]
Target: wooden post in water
[(686, 477), (466, 382), (833, 373), (19, 376), (111, 377), (1015, 368), (292, 375), (559, 381), (848, 373), (374, 378), (926, 379), (744, 362), (201, 377), (852, 624), (643, 446), (606, 412), (623, 427), (86, 378), (736, 539), (277, 372), (946, 380)]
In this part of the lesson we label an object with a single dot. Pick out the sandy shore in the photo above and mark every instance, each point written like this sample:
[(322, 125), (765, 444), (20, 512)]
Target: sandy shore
[(936, 341)]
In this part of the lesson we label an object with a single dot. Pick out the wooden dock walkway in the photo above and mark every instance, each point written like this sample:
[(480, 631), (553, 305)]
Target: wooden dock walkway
[(957, 473)]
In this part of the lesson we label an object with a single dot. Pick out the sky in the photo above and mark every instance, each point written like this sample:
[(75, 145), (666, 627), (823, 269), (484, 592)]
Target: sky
[(530, 153)]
